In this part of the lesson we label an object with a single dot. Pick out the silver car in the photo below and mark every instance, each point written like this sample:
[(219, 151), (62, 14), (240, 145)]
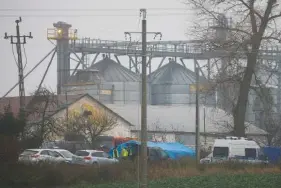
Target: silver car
[(92, 157), (65, 154), (35, 156)]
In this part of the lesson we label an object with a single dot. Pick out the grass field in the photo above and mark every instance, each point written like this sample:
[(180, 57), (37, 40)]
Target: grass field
[(212, 181)]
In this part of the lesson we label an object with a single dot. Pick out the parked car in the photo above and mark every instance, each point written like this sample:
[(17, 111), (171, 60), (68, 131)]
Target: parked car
[(67, 155), (92, 157), (235, 149), (71, 146), (157, 154), (35, 156), (153, 153)]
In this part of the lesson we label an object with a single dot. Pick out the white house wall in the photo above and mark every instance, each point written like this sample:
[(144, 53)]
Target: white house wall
[(122, 128)]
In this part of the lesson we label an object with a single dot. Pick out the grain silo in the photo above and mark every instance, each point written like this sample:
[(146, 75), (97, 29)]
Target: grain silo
[(124, 84), (170, 84)]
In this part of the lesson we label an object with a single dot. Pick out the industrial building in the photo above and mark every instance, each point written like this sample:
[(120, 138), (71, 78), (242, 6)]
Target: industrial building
[(170, 88), (107, 81), (171, 84), (110, 82), (177, 123)]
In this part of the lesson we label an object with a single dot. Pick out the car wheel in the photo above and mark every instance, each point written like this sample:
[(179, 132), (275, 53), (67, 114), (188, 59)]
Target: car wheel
[(95, 164)]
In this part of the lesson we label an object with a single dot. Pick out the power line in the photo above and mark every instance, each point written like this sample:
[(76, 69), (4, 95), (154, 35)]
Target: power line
[(11, 89), (24, 56), (89, 15), (13, 51), (84, 10)]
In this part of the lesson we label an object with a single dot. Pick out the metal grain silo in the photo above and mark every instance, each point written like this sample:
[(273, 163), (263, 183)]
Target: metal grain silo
[(170, 84), (125, 84)]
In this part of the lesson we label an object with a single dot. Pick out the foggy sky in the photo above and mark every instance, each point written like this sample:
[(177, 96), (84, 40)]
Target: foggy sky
[(173, 27)]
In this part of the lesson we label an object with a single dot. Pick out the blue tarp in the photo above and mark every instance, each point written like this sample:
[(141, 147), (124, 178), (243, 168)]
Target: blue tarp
[(273, 154), (175, 150)]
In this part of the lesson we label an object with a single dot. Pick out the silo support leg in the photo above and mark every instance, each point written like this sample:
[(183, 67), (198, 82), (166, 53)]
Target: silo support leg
[(182, 62), (117, 59), (134, 64), (80, 59), (196, 64), (149, 65), (162, 61), (95, 58)]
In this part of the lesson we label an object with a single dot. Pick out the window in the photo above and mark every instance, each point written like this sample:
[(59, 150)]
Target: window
[(29, 152), (54, 154), (163, 154), (153, 154), (66, 154), (220, 152), (98, 154), (82, 153), (44, 152), (250, 153), (105, 155)]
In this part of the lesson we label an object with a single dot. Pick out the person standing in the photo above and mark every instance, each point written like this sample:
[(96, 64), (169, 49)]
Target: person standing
[(115, 153), (124, 153)]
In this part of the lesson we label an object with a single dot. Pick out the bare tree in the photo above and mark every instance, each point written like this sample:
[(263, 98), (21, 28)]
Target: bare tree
[(268, 118), (255, 25), (41, 126), (89, 123), (161, 134)]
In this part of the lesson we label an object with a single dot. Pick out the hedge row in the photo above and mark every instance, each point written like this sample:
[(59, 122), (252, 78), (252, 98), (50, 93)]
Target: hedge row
[(218, 181), (19, 175)]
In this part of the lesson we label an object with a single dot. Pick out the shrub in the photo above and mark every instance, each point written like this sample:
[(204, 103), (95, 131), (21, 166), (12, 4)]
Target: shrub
[(18, 175)]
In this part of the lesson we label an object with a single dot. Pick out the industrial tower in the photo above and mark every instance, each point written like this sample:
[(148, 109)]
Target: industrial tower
[(62, 34)]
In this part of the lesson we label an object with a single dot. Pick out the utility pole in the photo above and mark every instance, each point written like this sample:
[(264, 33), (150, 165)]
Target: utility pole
[(18, 43), (143, 165), (197, 123), (143, 150)]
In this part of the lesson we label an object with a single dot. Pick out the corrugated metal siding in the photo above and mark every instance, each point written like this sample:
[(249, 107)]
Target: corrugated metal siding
[(114, 72), (124, 84), (170, 85)]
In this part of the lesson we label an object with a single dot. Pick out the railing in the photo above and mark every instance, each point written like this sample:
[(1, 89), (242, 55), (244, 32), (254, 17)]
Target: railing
[(163, 46), (114, 45), (57, 34)]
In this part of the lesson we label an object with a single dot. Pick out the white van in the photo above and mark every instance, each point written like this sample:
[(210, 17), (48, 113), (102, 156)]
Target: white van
[(236, 148)]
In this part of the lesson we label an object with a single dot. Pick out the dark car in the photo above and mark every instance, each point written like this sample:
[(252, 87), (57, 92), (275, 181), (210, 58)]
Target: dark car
[(153, 153), (157, 154)]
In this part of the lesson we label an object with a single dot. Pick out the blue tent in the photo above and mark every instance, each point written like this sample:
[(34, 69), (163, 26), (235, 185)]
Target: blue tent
[(175, 150)]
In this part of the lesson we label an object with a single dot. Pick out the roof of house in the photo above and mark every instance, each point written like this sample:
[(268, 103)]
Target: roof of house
[(14, 102), (181, 119)]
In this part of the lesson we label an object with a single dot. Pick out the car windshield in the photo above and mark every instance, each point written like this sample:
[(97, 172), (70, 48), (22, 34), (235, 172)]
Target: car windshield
[(29, 152), (220, 152), (66, 154), (82, 153), (164, 154)]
